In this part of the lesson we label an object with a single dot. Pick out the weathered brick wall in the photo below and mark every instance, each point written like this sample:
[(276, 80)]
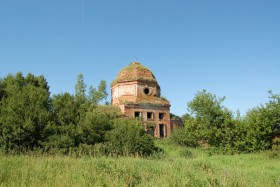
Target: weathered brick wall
[(136, 90), (130, 110), (130, 90), (123, 89), (153, 88)]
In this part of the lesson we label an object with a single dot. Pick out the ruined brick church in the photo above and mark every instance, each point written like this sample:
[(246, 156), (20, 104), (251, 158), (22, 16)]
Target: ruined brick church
[(136, 92)]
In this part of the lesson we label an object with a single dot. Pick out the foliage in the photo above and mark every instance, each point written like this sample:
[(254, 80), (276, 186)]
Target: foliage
[(102, 94), (59, 142), (62, 131), (31, 119), (274, 113), (92, 96), (175, 117), (65, 109), (129, 137), (80, 89), (24, 111), (94, 126), (258, 131), (260, 126), (209, 123), (276, 144), (98, 95), (185, 136), (1, 90), (134, 71)]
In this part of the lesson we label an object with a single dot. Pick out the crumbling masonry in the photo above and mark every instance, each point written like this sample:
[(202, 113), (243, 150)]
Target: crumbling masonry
[(136, 92)]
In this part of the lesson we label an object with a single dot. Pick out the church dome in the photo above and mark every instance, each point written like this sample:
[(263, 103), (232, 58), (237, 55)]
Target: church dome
[(135, 71)]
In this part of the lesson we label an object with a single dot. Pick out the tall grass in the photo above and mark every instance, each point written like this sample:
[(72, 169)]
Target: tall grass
[(179, 166)]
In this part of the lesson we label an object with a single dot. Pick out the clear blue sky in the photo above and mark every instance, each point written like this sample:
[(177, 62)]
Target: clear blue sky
[(229, 47)]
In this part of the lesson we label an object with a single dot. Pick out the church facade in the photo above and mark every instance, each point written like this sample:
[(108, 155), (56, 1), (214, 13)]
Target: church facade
[(136, 92)]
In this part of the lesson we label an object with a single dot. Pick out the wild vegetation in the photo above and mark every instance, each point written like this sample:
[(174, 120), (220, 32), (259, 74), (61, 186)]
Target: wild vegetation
[(134, 71), (30, 119), (71, 140), (209, 124), (179, 166)]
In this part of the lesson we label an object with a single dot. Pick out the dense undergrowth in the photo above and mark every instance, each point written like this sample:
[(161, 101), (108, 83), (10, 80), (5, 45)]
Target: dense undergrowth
[(71, 140), (177, 166)]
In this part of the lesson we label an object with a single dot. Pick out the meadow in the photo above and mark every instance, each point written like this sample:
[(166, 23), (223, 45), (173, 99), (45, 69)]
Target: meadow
[(178, 166)]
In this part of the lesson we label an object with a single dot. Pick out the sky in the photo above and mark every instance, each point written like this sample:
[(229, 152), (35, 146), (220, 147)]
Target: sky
[(230, 48)]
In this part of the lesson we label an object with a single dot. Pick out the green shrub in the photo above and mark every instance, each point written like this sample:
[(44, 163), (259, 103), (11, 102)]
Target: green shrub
[(59, 142), (276, 144), (128, 137), (184, 137), (94, 127)]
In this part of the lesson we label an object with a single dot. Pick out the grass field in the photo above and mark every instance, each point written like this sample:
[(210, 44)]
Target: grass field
[(178, 167)]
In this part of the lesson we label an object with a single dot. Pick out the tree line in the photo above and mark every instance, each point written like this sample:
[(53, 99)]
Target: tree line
[(210, 124), (32, 119)]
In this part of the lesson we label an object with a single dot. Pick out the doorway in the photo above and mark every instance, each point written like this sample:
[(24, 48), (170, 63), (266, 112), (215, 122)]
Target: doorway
[(161, 130)]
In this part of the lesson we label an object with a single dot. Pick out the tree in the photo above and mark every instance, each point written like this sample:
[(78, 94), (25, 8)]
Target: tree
[(92, 96), (81, 97), (262, 124), (189, 134), (65, 109), (80, 89), (102, 91), (274, 107), (24, 111), (97, 96), (213, 120), (209, 123), (1, 90), (62, 131)]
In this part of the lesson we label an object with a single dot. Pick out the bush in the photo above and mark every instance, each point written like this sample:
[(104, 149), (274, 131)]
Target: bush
[(128, 137), (59, 142), (276, 144), (183, 137), (94, 127)]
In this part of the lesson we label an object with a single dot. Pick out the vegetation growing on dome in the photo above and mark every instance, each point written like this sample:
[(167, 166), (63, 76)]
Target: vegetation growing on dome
[(135, 65), (135, 71)]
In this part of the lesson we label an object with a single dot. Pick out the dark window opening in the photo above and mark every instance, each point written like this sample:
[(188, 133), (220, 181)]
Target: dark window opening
[(146, 91), (161, 130), (149, 115), (137, 114), (161, 115)]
